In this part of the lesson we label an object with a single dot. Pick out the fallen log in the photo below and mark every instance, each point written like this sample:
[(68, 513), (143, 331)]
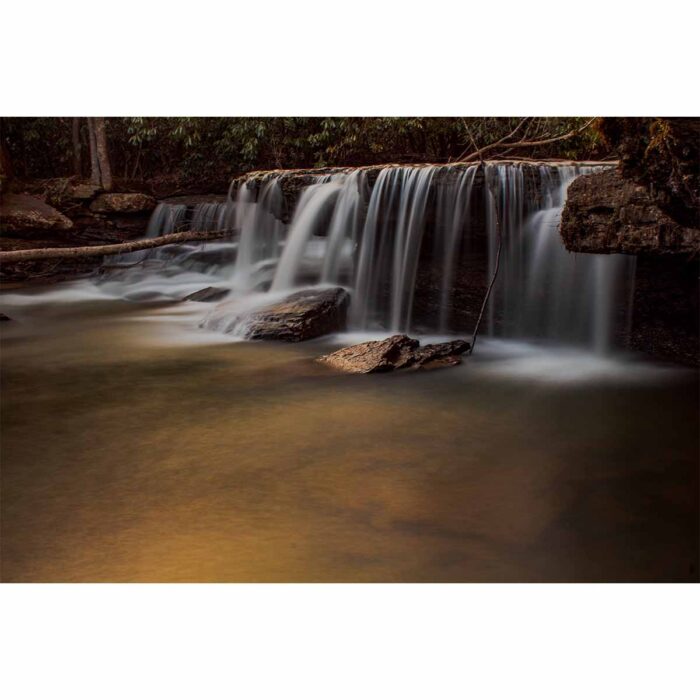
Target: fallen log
[(92, 251)]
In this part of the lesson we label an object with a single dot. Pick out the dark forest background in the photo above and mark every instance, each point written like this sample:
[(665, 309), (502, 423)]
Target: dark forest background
[(220, 147)]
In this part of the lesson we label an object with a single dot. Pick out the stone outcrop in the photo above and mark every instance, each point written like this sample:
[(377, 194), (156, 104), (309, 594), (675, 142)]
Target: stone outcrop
[(300, 316), (662, 154), (123, 203), (97, 217), (395, 353), (60, 212), (605, 213), (293, 182), (27, 216)]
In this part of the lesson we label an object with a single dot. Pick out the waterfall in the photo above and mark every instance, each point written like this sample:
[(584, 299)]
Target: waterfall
[(401, 237), (166, 218), (454, 208), (209, 216), (407, 239), (390, 247), (374, 248), (261, 234), (543, 290), (312, 215), (344, 230)]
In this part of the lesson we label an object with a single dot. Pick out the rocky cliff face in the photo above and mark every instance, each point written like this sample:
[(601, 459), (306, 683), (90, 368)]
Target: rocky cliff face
[(663, 155), (606, 213)]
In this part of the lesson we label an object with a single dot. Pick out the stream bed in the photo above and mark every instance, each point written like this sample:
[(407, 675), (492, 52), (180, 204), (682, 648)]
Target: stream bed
[(137, 447)]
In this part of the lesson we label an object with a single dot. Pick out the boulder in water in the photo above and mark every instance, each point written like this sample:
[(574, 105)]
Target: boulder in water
[(435, 355), (4, 317), (207, 294), (300, 316), (395, 353)]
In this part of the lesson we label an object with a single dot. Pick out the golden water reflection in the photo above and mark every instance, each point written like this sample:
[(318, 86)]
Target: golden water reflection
[(129, 461)]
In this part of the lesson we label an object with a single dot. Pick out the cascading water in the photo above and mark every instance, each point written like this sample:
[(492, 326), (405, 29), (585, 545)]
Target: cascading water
[(345, 228), (261, 234), (324, 208), (210, 216), (373, 232), (454, 208), (544, 291), (166, 218), (390, 247)]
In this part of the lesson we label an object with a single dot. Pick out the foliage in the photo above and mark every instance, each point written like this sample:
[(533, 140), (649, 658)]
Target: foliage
[(215, 148), (38, 146)]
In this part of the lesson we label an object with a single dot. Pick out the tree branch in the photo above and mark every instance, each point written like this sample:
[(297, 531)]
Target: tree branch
[(92, 251), (479, 151), (471, 137), (526, 144), (493, 276)]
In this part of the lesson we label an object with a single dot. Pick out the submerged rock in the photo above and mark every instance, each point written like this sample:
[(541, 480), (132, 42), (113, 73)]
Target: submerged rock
[(300, 316), (207, 294), (395, 353), (4, 317)]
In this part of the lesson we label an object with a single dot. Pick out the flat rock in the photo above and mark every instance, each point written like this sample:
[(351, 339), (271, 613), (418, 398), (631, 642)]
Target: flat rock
[(300, 316), (208, 294), (395, 353), (22, 212), (123, 203)]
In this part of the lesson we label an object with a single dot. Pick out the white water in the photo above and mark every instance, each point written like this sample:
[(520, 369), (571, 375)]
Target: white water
[(261, 234), (543, 290), (315, 208), (374, 236), (166, 218)]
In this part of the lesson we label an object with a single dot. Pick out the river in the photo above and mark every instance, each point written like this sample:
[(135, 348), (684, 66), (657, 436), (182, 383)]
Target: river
[(137, 447)]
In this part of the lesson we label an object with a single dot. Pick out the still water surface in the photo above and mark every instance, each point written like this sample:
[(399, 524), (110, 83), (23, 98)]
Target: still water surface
[(136, 447)]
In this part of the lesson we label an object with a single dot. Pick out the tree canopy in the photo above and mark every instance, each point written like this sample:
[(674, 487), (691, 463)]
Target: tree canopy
[(187, 147)]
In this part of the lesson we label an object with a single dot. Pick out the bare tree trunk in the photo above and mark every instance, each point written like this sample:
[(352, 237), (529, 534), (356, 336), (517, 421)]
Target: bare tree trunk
[(92, 251), (95, 176), (77, 148), (102, 153)]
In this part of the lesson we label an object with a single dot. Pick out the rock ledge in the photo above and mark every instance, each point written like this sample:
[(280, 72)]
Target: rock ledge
[(605, 213)]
